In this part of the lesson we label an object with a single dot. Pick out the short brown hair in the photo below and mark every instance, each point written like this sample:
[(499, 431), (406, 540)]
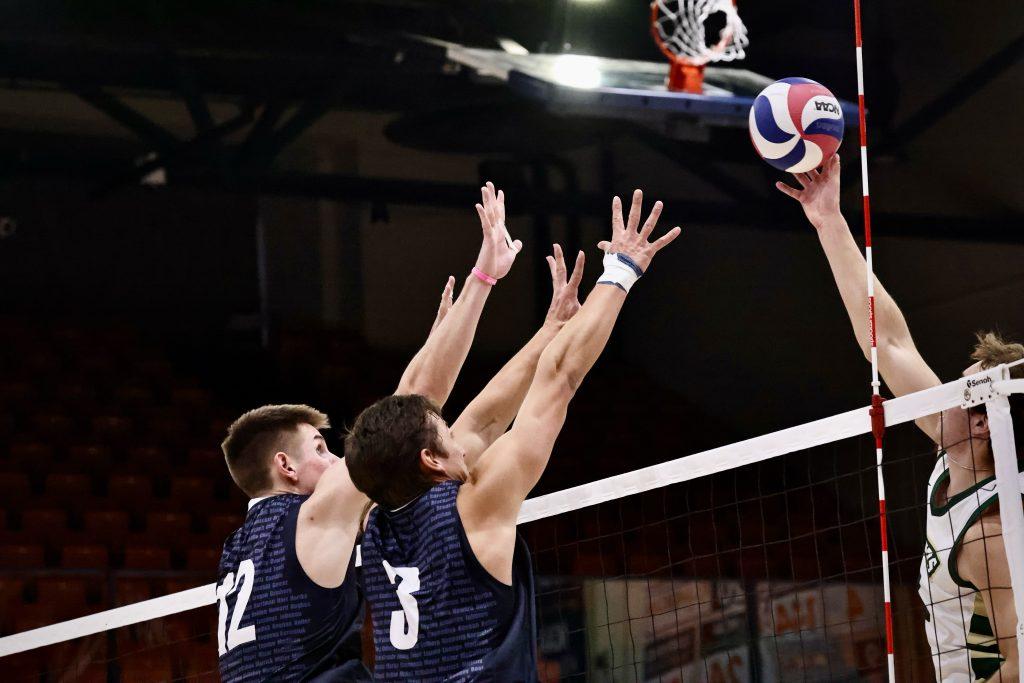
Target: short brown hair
[(255, 436), (991, 350), (383, 449)]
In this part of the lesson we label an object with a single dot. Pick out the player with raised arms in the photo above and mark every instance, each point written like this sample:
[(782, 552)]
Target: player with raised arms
[(965, 578), (290, 606), (447, 579)]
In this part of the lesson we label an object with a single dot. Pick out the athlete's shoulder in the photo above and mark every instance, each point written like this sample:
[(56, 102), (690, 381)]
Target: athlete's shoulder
[(981, 551)]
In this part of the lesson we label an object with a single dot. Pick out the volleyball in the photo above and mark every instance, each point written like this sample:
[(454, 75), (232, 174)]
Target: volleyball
[(796, 124)]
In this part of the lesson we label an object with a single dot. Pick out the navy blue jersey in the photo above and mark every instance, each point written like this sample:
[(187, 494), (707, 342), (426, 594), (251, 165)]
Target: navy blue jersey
[(438, 615), (274, 622)]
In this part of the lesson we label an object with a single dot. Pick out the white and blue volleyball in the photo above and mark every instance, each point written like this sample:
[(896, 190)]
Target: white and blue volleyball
[(796, 124)]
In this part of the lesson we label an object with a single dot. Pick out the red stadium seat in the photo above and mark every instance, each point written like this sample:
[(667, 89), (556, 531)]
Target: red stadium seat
[(146, 666), (128, 590), (16, 489), (76, 396), (135, 397), (84, 557), (191, 492), (24, 666), (7, 427), (18, 394), (148, 459), (67, 486), (147, 557), (67, 595), (193, 399), (12, 593), (22, 556), (206, 460), (169, 527), (203, 559), (112, 429), (168, 429), (48, 525), (179, 585), (53, 427), (106, 526), (200, 662), (222, 526), (34, 615), (32, 455), (130, 491), (90, 458)]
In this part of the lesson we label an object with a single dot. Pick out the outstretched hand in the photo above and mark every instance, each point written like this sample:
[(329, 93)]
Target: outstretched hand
[(626, 239), (565, 296), (820, 194), (447, 299), (498, 251)]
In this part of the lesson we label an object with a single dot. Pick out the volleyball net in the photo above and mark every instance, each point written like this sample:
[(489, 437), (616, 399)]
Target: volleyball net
[(758, 561)]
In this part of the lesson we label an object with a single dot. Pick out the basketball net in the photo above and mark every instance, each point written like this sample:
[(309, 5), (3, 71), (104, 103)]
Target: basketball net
[(678, 29)]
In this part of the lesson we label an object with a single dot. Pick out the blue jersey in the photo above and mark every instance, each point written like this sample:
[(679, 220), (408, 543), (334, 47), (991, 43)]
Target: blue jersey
[(274, 622), (438, 615)]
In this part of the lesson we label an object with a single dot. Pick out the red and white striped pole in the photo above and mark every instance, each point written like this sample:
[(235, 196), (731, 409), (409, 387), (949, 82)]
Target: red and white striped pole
[(877, 409)]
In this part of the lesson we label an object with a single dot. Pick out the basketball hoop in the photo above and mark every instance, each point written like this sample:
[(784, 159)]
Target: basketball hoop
[(678, 29)]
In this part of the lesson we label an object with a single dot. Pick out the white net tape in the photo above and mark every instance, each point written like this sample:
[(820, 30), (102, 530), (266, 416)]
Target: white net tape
[(680, 25), (636, 607)]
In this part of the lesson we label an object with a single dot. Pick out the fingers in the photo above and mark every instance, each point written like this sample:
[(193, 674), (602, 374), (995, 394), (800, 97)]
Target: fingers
[(577, 271), (634, 210), (501, 206), (553, 268), (617, 223), (512, 244), (559, 260), (605, 246), (489, 200), (449, 289), (652, 220), (485, 222), (787, 190), (804, 180), (666, 239)]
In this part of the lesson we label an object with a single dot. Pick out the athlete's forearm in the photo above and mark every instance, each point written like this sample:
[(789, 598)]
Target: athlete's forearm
[(434, 369), (579, 344), (850, 272), (489, 415)]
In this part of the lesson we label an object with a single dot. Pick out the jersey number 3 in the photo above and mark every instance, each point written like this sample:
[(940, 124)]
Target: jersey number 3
[(230, 638), (405, 622)]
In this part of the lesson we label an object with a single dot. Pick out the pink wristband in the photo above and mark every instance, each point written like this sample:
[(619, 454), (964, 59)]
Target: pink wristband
[(484, 276)]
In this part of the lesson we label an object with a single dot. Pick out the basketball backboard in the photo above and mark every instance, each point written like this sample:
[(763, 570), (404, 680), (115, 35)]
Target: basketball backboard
[(616, 88)]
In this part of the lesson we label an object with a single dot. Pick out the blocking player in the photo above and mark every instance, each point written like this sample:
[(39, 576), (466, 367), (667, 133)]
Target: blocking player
[(448, 581), (965, 580), (290, 608)]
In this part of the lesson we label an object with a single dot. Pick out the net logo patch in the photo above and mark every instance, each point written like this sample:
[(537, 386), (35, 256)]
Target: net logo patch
[(931, 558)]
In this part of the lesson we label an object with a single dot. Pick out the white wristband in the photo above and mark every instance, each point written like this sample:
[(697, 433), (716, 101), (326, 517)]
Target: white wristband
[(620, 270)]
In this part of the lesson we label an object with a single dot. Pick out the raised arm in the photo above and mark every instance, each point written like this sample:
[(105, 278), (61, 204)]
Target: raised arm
[(434, 369), (489, 414), (899, 361), (510, 468)]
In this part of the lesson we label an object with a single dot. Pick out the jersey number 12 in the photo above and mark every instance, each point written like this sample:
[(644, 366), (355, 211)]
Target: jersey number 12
[(230, 638)]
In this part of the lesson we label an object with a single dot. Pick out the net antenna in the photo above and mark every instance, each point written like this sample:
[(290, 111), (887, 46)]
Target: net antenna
[(877, 403), (679, 31)]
